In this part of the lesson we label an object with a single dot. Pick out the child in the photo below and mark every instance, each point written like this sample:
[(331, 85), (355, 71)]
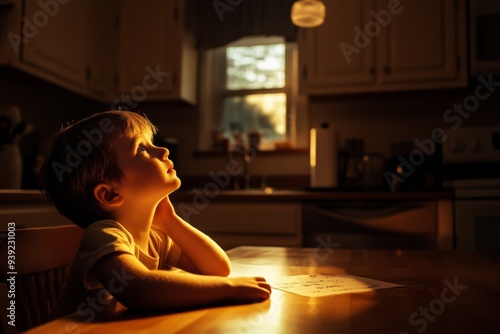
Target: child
[(105, 174)]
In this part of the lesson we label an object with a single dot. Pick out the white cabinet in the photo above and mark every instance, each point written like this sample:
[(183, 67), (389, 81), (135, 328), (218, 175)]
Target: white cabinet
[(385, 45), (251, 224), (157, 55), (104, 49), (67, 43), (323, 64), (57, 39), (421, 43)]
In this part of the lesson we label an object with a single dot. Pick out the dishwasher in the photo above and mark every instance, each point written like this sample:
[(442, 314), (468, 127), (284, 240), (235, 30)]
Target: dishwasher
[(370, 224)]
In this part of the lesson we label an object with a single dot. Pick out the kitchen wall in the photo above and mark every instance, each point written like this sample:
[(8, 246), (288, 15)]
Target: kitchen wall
[(44, 105), (389, 117), (377, 118)]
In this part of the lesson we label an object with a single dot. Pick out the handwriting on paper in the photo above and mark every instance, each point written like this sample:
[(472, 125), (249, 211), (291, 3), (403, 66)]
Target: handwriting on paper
[(325, 285)]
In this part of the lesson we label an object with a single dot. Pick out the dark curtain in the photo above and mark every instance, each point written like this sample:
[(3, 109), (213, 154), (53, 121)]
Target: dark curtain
[(219, 22)]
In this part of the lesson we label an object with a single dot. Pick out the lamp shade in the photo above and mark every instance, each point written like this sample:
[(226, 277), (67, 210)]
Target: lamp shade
[(308, 13)]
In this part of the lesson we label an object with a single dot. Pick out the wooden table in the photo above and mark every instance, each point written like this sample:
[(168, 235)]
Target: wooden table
[(426, 303)]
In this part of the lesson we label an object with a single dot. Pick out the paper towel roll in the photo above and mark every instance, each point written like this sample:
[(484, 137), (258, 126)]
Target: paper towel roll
[(323, 157)]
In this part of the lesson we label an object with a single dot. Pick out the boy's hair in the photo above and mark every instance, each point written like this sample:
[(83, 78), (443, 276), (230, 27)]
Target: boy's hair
[(81, 157)]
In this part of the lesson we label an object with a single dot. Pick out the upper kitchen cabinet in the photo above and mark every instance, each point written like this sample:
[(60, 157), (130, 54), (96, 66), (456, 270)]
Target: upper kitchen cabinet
[(385, 45), (322, 62), (157, 54), (106, 50), (64, 42), (426, 42), (58, 47), (102, 51)]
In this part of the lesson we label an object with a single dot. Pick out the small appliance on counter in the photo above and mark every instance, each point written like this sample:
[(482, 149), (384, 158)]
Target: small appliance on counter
[(323, 157), (359, 169), (418, 170)]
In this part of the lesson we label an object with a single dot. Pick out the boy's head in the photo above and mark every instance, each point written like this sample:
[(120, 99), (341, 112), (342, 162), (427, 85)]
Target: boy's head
[(82, 156)]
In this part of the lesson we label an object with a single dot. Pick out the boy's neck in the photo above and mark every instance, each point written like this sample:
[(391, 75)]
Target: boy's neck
[(137, 219)]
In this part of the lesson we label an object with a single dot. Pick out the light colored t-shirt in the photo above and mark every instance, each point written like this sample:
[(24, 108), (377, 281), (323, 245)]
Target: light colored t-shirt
[(83, 293)]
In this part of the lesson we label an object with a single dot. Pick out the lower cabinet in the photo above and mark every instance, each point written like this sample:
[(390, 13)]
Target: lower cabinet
[(363, 223), (247, 224)]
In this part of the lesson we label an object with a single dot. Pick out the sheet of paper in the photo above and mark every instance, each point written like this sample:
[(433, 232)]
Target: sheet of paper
[(325, 285)]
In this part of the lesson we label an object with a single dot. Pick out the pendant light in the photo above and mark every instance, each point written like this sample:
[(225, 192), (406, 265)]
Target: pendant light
[(308, 13)]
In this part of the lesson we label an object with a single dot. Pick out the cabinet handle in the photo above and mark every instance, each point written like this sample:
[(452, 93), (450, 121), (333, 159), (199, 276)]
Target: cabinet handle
[(304, 73), (387, 70), (372, 70)]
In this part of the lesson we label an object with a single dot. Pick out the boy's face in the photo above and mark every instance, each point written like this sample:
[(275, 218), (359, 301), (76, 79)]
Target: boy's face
[(148, 174)]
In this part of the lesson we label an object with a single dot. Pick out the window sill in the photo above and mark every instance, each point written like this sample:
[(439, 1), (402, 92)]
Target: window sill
[(265, 153)]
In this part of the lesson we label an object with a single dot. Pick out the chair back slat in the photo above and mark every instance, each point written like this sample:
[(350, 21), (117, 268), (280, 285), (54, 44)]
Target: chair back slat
[(43, 257)]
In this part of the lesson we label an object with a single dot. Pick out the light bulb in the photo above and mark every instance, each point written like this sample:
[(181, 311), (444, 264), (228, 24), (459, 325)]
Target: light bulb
[(308, 13)]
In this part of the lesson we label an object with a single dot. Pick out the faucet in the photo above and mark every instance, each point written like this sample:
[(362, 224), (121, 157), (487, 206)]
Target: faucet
[(246, 169), (245, 151)]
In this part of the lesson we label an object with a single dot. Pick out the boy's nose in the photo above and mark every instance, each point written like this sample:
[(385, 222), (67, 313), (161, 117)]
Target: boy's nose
[(164, 153)]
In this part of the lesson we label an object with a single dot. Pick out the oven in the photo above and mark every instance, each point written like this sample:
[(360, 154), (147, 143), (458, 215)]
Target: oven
[(477, 215), (471, 162)]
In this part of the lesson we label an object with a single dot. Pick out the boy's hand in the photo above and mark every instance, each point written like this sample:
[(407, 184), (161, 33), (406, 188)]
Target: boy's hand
[(200, 254), (250, 288), (164, 212)]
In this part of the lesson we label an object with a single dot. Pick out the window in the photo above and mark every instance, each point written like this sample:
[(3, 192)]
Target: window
[(249, 89), (255, 67)]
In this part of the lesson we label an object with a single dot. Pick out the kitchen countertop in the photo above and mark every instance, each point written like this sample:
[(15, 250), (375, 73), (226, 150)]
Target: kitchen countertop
[(20, 196), (300, 195), (11, 196)]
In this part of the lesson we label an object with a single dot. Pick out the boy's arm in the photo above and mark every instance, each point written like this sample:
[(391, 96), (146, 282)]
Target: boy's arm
[(137, 287), (200, 254)]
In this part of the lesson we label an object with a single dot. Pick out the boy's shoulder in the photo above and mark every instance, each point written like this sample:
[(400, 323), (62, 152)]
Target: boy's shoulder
[(107, 231), (104, 232), (106, 224)]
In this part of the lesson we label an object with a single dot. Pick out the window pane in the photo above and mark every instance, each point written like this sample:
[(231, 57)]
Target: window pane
[(265, 113), (255, 67)]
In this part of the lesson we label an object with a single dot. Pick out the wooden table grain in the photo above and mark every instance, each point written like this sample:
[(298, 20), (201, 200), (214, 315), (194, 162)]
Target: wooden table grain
[(443, 292)]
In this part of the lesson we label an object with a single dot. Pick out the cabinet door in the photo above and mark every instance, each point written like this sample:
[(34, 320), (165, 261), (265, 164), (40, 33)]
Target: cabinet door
[(57, 40), (419, 43), (147, 46), (102, 52), (251, 224), (331, 56)]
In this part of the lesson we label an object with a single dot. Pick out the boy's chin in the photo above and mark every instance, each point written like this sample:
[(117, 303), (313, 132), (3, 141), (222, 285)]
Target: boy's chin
[(175, 185)]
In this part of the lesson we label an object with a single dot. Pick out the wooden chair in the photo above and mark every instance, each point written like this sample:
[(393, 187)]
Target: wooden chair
[(42, 260)]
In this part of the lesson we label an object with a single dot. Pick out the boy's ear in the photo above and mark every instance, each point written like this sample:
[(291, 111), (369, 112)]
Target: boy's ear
[(107, 196)]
